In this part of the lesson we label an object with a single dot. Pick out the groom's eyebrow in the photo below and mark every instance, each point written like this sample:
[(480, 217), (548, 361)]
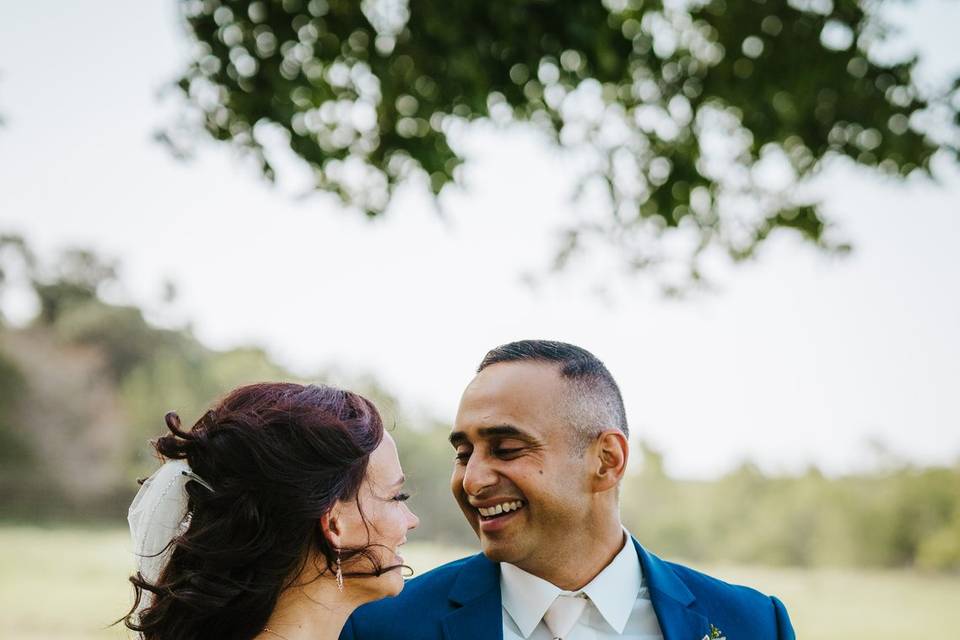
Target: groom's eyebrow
[(501, 430)]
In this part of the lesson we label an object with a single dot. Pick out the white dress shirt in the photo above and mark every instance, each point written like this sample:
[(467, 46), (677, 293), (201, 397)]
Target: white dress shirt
[(618, 605)]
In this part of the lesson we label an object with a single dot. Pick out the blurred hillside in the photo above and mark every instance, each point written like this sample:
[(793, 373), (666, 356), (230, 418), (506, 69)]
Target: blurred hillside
[(85, 383)]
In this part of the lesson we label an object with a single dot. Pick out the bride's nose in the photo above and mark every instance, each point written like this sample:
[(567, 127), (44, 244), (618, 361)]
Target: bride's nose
[(412, 520)]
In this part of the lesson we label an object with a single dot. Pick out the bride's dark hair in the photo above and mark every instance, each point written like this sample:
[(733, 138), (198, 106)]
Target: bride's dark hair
[(278, 456)]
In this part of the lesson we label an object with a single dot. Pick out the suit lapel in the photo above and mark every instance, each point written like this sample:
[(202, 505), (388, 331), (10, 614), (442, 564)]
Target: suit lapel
[(479, 619), (677, 622), (478, 612), (672, 600)]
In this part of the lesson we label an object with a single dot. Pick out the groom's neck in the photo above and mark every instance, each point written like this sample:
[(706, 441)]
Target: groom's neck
[(586, 555)]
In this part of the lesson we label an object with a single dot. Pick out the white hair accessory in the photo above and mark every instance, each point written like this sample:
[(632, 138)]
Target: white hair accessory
[(157, 515)]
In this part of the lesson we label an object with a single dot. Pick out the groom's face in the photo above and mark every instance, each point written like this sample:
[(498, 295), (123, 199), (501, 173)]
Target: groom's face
[(516, 477)]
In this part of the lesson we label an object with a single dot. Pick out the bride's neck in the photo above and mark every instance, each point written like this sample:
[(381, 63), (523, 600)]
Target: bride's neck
[(317, 610)]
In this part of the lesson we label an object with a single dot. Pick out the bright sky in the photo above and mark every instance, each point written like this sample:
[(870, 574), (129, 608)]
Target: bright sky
[(797, 359)]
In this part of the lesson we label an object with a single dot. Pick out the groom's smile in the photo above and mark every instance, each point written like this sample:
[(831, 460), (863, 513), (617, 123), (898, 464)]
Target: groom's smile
[(495, 510), (515, 478), (497, 514)]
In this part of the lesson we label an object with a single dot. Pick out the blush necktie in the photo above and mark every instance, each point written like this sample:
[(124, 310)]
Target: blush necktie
[(563, 614)]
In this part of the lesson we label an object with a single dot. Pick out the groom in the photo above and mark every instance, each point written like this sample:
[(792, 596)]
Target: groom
[(541, 447)]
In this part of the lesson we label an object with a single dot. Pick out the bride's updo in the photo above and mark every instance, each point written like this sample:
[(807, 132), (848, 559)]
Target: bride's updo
[(277, 456)]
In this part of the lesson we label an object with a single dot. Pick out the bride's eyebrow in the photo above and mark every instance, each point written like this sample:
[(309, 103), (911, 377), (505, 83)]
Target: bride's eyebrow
[(396, 485)]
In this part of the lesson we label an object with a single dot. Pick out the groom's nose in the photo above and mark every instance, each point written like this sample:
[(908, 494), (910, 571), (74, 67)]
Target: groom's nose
[(478, 476)]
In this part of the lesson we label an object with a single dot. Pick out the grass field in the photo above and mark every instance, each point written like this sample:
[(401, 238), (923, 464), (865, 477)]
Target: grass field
[(69, 584)]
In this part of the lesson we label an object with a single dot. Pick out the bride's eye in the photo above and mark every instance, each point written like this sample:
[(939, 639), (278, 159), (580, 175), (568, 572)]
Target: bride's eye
[(402, 497)]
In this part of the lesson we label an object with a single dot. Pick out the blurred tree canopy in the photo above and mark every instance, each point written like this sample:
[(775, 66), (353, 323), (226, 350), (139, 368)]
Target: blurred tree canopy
[(899, 517), (684, 109)]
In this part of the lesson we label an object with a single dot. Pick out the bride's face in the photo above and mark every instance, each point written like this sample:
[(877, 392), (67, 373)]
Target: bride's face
[(382, 501)]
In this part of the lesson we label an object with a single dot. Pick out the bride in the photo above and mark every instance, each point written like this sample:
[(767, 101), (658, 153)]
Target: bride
[(275, 516)]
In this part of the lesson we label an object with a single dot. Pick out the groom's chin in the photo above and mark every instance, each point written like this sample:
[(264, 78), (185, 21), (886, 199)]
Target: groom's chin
[(496, 550)]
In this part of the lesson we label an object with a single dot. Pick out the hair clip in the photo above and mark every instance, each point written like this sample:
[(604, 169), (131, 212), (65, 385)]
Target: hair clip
[(196, 478), (208, 419)]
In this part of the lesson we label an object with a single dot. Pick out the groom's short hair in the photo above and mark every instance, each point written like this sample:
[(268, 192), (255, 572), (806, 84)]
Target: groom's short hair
[(593, 402)]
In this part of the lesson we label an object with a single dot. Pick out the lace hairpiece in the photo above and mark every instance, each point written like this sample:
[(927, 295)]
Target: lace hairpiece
[(157, 515)]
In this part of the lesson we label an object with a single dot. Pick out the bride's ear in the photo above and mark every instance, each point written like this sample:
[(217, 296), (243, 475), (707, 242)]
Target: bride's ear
[(331, 526)]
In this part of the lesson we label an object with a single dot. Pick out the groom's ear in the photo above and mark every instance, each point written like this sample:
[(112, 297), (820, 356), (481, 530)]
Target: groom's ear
[(610, 453)]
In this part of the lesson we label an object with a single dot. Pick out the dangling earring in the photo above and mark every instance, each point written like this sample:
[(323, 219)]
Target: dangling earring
[(339, 573)]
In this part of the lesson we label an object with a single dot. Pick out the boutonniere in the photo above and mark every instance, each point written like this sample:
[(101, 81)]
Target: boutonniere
[(715, 634)]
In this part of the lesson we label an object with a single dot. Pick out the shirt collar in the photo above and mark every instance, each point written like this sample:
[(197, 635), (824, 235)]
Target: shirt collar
[(525, 596), (613, 591)]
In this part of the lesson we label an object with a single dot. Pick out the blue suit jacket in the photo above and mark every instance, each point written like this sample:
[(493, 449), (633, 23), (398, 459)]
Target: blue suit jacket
[(461, 601)]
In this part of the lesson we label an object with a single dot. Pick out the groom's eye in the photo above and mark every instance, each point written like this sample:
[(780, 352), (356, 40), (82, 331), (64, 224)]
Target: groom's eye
[(462, 455), (507, 448)]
